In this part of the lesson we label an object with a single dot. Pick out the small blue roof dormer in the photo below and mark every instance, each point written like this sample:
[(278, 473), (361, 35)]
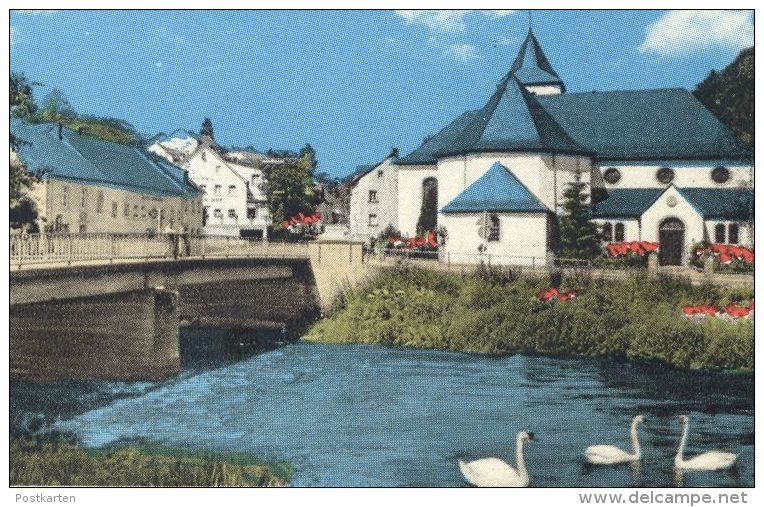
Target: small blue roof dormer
[(498, 190)]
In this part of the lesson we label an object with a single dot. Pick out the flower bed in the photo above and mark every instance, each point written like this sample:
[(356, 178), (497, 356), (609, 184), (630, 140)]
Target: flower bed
[(729, 312), (727, 258), (626, 254)]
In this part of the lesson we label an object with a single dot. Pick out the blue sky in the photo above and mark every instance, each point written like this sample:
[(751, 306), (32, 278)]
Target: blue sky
[(351, 83)]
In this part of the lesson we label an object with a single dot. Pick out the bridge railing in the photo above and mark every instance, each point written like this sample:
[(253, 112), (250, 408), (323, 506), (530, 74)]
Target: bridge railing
[(94, 247)]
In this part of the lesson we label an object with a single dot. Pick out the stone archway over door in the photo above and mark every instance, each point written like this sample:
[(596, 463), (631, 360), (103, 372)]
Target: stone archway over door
[(671, 237)]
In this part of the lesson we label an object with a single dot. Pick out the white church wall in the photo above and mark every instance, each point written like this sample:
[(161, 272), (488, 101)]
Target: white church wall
[(522, 240), (686, 174), (745, 237), (631, 228), (409, 191), (546, 176), (694, 230)]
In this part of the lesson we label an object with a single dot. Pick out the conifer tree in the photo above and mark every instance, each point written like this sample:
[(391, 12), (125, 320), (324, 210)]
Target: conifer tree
[(579, 238)]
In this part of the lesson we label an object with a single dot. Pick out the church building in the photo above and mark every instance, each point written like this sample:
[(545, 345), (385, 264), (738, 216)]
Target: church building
[(659, 165)]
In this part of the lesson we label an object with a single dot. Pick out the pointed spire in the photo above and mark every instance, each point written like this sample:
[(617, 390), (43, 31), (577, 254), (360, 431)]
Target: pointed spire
[(531, 66)]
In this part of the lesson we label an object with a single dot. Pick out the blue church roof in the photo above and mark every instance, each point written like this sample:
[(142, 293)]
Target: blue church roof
[(425, 153), (497, 190), (625, 202), (93, 161), (721, 203), (512, 120), (710, 203), (531, 66), (644, 125)]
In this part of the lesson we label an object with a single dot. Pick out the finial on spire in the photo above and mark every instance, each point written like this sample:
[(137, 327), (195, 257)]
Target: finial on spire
[(530, 20)]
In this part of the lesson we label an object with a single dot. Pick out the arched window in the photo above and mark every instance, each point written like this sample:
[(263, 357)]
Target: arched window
[(607, 232), (428, 215), (734, 234), (719, 236), (619, 232), (494, 228)]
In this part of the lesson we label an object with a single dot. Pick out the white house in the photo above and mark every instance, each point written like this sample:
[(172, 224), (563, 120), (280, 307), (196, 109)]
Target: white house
[(661, 167), (231, 184), (374, 199)]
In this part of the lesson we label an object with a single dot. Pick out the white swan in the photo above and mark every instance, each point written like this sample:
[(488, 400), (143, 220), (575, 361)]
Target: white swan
[(493, 472), (612, 455), (711, 460)]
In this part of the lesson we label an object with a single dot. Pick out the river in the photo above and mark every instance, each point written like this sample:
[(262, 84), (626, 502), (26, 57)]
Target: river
[(359, 415)]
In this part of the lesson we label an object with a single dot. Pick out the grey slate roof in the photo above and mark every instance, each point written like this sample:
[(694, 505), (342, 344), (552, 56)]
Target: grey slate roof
[(93, 161), (425, 153), (531, 66), (497, 190), (644, 125), (512, 120)]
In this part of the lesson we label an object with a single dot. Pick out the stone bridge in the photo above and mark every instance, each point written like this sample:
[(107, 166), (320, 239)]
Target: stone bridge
[(120, 319)]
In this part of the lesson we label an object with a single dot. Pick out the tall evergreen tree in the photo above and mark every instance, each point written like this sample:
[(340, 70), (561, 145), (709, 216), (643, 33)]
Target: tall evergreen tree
[(579, 238)]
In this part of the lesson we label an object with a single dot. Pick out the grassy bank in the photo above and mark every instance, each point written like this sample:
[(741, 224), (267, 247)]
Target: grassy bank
[(494, 311), (53, 463)]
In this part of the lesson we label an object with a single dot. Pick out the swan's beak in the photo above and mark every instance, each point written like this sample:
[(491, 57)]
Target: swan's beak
[(531, 436)]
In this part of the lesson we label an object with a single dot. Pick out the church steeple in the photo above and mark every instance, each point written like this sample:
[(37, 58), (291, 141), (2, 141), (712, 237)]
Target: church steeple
[(533, 70)]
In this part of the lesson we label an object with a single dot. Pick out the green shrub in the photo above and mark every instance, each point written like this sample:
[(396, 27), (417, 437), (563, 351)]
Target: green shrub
[(55, 463), (496, 312)]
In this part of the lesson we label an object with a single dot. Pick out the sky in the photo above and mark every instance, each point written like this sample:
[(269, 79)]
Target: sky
[(353, 84)]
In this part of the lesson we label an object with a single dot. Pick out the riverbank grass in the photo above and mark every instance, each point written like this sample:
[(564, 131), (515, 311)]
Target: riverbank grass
[(58, 463), (495, 311)]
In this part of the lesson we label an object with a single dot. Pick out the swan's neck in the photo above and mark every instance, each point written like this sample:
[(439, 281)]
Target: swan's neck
[(682, 443), (635, 440), (520, 459)]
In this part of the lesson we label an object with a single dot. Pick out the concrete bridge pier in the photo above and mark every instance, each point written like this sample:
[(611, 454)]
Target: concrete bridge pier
[(123, 336)]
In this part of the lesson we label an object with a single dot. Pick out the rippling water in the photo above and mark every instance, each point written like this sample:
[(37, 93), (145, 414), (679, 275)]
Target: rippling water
[(347, 415)]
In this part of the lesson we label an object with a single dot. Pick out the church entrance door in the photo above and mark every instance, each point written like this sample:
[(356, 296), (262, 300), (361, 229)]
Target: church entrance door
[(671, 236)]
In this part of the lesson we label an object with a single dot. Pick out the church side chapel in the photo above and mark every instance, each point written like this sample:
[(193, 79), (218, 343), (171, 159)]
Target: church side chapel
[(658, 165)]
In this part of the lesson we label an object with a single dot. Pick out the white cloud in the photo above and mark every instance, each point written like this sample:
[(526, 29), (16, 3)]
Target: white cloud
[(462, 52), (682, 32), (14, 35), (506, 41), (445, 21)]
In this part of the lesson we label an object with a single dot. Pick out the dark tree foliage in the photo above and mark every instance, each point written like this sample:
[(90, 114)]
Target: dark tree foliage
[(428, 214), (578, 235), (289, 188), (21, 98), (207, 129), (729, 94)]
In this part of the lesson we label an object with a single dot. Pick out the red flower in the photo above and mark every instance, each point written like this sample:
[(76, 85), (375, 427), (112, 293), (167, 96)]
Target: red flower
[(547, 295)]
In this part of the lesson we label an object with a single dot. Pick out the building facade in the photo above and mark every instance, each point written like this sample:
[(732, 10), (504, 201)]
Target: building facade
[(659, 165), (231, 182), (89, 185), (374, 199)]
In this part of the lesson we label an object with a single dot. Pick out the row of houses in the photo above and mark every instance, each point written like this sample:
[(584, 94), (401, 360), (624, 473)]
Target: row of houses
[(180, 183), (660, 167)]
